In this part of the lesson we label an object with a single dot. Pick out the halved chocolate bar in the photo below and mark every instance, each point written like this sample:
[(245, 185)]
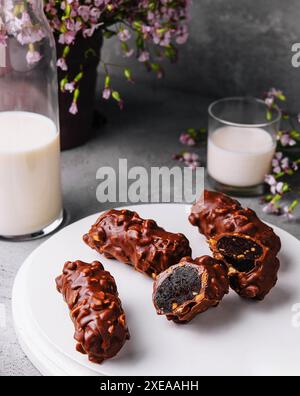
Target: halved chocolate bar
[(238, 237)]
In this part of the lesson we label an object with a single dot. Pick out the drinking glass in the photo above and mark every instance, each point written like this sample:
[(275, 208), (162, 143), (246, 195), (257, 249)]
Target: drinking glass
[(241, 144)]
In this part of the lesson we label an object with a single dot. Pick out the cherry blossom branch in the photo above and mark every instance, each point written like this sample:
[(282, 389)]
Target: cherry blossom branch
[(283, 165), (138, 25)]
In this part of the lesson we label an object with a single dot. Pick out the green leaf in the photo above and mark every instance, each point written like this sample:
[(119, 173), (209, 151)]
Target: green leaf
[(63, 82), (76, 94), (128, 74), (124, 46), (294, 205), (137, 25), (66, 51), (155, 67), (282, 97), (269, 115), (140, 43), (116, 95), (78, 77), (276, 199), (286, 188), (268, 198), (107, 81)]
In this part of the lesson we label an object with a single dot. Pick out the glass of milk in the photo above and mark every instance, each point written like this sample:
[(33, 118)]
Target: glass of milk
[(30, 182), (241, 144)]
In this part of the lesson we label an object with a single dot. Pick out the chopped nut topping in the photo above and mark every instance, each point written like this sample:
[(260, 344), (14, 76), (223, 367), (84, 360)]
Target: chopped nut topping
[(199, 297), (122, 320), (111, 329), (232, 271)]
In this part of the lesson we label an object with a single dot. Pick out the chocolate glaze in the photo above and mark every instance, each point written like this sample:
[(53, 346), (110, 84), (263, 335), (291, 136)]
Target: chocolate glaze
[(125, 236), (96, 311), (254, 273), (189, 288)]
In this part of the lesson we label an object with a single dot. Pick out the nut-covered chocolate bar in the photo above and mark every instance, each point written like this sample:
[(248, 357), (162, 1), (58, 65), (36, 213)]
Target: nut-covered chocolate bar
[(99, 320), (125, 236), (190, 288), (239, 238)]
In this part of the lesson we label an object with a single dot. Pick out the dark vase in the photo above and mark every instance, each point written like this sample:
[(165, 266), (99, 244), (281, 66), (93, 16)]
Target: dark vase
[(76, 129)]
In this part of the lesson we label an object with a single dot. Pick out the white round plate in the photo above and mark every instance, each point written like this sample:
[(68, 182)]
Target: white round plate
[(237, 338)]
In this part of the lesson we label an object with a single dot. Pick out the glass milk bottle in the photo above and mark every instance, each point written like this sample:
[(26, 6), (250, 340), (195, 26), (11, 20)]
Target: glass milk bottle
[(30, 184)]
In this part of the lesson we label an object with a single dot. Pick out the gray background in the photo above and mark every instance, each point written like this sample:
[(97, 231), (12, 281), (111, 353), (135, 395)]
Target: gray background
[(236, 47)]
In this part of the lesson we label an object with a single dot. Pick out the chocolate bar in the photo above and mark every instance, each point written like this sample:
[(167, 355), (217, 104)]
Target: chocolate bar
[(238, 237), (123, 235), (95, 308), (189, 288)]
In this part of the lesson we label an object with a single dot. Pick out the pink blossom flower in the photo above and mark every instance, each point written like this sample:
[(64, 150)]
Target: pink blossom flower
[(144, 56), (33, 57), (3, 38), (89, 32), (278, 188), (288, 213), (73, 109), (61, 63), (129, 53), (67, 38), (124, 35), (269, 102), (275, 187), (275, 93), (106, 93), (295, 166), (69, 87), (287, 140), (84, 12), (30, 35), (271, 208), (191, 160), (187, 140), (270, 179), (95, 13)]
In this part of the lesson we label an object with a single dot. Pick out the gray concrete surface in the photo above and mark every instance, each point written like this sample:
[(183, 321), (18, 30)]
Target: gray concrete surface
[(147, 134), (235, 48)]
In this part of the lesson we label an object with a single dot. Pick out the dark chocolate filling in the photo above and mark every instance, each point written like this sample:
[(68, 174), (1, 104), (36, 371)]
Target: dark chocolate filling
[(182, 285), (240, 252)]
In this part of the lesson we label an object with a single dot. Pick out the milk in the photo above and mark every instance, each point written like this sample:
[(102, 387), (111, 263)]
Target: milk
[(240, 157), (30, 185)]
